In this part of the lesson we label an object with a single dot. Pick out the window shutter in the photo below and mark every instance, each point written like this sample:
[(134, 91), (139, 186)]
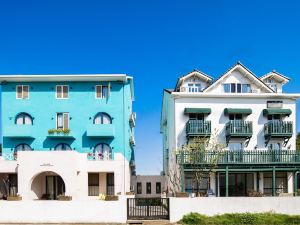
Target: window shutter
[(98, 91), (65, 91), (19, 91), (25, 91), (66, 120), (58, 91)]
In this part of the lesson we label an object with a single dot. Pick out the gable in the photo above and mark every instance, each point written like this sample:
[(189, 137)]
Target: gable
[(239, 74), (193, 77)]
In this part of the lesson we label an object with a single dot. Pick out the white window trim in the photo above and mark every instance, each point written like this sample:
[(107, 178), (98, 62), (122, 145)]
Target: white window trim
[(22, 91), (63, 120), (108, 91), (62, 85)]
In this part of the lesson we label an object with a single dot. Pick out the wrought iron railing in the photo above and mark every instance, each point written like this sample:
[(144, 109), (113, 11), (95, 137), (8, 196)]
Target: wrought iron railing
[(240, 157), (198, 127), (239, 127), (99, 156), (278, 128)]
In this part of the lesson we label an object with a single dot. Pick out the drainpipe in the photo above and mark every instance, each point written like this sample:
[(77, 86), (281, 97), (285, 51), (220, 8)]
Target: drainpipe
[(124, 132)]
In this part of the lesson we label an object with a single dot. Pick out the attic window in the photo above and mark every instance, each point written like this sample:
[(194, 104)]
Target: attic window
[(194, 87), (237, 88)]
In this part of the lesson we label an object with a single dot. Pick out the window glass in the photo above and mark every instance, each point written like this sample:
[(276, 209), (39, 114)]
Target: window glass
[(23, 147), (236, 146), (238, 88), (227, 88), (62, 147), (158, 187), (62, 120), (93, 184), (139, 188), (196, 116), (23, 118), (62, 91), (102, 118), (232, 87), (22, 91), (148, 188), (104, 91), (246, 88), (110, 182)]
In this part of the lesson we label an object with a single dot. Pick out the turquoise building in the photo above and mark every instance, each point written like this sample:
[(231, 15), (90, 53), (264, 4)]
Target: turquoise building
[(90, 114)]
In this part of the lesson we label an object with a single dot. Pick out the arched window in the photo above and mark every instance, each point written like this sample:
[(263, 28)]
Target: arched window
[(102, 151), (23, 147), (62, 147), (102, 118), (23, 118)]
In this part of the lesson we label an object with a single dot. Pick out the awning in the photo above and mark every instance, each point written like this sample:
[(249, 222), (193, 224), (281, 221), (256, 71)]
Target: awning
[(228, 111), (285, 112), (197, 110)]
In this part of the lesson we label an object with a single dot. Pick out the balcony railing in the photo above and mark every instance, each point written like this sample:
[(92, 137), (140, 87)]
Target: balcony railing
[(198, 128), (239, 128), (98, 156), (279, 129), (240, 157)]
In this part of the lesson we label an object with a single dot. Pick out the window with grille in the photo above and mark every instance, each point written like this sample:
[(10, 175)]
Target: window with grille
[(93, 184)]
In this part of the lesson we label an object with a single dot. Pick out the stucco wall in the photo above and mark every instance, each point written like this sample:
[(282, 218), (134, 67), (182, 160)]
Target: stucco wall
[(91, 211), (212, 206), (144, 179)]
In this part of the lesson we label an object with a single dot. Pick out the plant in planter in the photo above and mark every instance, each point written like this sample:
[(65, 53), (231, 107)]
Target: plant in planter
[(111, 198), (59, 130), (64, 198), (16, 197), (66, 131), (51, 131)]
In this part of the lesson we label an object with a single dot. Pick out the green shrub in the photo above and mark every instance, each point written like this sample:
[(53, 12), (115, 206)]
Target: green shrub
[(241, 219)]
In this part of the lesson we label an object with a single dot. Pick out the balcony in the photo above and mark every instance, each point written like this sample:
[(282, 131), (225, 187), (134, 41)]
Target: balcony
[(278, 129), (100, 131), (249, 157), (18, 131), (239, 129), (198, 128)]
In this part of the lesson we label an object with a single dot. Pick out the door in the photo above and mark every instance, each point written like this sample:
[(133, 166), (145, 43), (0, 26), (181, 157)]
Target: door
[(55, 186), (110, 183)]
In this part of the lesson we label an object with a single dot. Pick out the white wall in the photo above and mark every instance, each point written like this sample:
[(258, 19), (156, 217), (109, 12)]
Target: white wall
[(72, 166), (213, 206), (219, 120), (86, 211)]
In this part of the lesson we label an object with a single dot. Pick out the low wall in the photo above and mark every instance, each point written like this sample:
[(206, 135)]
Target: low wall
[(212, 206), (89, 211)]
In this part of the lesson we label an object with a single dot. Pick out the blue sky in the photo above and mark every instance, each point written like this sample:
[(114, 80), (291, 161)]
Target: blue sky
[(153, 40)]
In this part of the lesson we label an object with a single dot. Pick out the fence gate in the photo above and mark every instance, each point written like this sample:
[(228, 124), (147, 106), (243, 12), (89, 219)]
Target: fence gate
[(148, 209)]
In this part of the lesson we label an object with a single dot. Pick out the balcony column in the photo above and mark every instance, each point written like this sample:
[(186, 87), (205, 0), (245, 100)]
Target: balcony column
[(212, 180), (296, 183), (290, 182), (273, 181), (226, 181)]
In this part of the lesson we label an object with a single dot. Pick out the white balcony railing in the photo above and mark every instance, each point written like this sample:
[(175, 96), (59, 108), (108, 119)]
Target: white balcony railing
[(98, 156)]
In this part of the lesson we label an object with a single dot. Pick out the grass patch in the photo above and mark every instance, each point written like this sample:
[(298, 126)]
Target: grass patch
[(241, 219)]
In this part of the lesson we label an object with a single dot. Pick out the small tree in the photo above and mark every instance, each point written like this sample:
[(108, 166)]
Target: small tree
[(202, 156)]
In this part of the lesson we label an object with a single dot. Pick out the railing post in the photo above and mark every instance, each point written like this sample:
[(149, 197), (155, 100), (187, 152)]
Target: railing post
[(226, 181), (273, 181)]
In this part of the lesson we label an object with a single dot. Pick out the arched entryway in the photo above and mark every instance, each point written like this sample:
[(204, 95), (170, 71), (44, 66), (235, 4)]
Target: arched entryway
[(48, 186)]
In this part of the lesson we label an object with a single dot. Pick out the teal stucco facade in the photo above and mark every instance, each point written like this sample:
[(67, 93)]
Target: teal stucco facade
[(82, 106)]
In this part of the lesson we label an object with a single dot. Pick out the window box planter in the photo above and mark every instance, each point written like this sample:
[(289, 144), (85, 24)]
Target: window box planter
[(181, 195), (111, 198), (14, 198), (64, 198)]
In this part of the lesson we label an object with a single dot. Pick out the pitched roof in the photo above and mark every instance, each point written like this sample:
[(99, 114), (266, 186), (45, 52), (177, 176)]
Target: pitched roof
[(239, 65), (274, 72), (193, 72)]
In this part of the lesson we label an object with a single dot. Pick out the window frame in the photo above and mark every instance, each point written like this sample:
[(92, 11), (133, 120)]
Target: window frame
[(30, 149), (158, 184), (63, 113), (23, 114), (102, 114), (139, 191), (92, 182), (63, 143), (237, 87), (22, 91), (148, 191), (62, 91), (101, 92)]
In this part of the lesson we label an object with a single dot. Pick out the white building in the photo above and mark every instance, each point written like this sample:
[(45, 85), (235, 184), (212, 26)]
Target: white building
[(148, 186), (252, 117)]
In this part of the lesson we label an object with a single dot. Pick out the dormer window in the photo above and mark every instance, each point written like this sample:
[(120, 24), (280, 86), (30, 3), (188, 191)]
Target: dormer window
[(194, 87), (237, 88)]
